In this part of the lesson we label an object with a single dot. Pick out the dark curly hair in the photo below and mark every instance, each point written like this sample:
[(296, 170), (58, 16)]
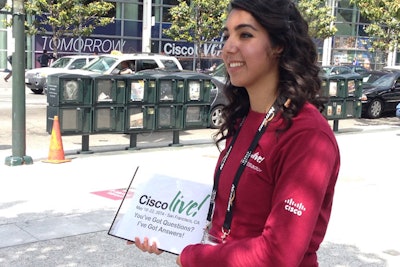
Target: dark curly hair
[(299, 78)]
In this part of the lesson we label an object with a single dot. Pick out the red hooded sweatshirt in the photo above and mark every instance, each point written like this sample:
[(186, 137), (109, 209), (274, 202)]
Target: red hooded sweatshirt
[(284, 197)]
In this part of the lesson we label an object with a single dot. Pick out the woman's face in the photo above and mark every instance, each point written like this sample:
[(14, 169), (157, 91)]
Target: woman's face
[(248, 55)]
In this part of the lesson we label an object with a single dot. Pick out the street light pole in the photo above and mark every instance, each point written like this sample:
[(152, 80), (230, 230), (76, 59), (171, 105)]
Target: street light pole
[(327, 47), (146, 28), (18, 89)]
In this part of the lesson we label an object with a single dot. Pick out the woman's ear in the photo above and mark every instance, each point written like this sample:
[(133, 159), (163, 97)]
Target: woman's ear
[(277, 51)]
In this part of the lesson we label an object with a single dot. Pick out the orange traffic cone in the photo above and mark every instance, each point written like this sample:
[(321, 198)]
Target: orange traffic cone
[(56, 152)]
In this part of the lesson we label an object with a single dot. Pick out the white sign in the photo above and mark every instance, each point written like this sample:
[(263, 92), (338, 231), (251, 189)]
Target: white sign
[(170, 211)]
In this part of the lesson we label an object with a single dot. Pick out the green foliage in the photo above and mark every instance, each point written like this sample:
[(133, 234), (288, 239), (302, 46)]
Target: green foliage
[(72, 17), (199, 21), (319, 17), (384, 28)]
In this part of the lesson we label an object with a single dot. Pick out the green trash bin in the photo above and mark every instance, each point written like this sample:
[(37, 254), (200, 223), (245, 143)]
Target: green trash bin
[(169, 117), (336, 87), (74, 120), (353, 107), (109, 89), (141, 89), (197, 87), (69, 89), (140, 118), (196, 116), (335, 109), (353, 86), (109, 119), (169, 87)]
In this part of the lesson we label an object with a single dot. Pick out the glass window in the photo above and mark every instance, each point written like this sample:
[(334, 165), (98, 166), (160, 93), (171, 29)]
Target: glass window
[(132, 28), (346, 28), (77, 64), (146, 64), (166, 17), (155, 31), (110, 29), (101, 64), (155, 47), (347, 15), (157, 13), (344, 42), (61, 62), (170, 64), (133, 11), (344, 4), (171, 2), (361, 30)]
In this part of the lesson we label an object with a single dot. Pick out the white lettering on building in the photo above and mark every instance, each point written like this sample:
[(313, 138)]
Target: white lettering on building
[(88, 45), (173, 49)]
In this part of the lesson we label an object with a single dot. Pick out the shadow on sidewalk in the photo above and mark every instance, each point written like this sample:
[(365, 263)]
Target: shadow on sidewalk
[(331, 254)]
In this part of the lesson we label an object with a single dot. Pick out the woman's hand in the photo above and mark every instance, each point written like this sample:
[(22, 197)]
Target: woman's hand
[(178, 261), (145, 246)]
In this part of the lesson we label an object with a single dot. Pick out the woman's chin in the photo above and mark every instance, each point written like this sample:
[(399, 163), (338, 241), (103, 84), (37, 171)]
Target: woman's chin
[(237, 82)]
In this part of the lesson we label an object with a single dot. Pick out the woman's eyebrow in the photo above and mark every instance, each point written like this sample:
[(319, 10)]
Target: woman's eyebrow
[(240, 26)]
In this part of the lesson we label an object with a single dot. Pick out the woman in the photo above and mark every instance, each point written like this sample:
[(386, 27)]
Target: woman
[(273, 211)]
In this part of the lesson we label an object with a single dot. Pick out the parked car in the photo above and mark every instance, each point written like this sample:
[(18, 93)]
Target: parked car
[(358, 69), (398, 110), (332, 70), (219, 73), (217, 104), (36, 79), (381, 96), (372, 75), (112, 64), (392, 68)]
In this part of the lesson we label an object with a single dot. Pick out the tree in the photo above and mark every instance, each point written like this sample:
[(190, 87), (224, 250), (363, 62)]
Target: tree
[(197, 21), (319, 17), (384, 27), (67, 17), (201, 21)]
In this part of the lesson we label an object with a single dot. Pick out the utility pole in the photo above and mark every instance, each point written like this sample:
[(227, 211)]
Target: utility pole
[(327, 47), (18, 89), (146, 28)]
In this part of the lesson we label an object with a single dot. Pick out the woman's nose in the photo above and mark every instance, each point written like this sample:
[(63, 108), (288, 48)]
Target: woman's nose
[(229, 47)]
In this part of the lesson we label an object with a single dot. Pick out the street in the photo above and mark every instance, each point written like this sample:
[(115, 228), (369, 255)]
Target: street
[(37, 137), (49, 215)]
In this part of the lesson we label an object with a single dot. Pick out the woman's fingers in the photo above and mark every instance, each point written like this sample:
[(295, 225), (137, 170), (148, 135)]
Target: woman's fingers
[(178, 261), (145, 246), (154, 249)]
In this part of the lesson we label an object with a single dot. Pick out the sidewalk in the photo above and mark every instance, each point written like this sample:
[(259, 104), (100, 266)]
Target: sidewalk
[(59, 214), (50, 216)]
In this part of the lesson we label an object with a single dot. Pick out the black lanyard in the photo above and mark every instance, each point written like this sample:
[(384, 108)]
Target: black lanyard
[(226, 228)]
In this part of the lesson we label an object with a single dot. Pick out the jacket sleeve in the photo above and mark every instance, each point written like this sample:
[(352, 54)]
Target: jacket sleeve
[(305, 169)]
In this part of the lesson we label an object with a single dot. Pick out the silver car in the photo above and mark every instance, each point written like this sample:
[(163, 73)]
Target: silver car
[(36, 79)]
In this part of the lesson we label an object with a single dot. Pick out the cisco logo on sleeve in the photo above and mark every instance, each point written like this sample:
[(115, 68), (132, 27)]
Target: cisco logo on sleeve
[(293, 207)]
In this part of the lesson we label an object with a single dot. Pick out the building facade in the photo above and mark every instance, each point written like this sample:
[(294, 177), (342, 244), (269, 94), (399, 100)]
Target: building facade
[(351, 42), (125, 35)]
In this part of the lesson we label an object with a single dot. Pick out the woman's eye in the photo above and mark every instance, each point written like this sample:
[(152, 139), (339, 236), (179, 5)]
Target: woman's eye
[(246, 35), (225, 37)]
